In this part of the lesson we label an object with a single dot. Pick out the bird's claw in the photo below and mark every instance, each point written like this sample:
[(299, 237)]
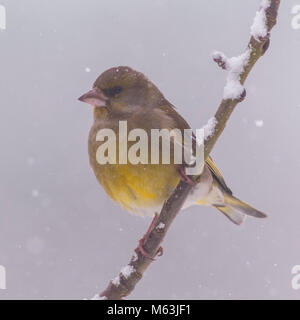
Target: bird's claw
[(144, 253), (184, 177), (140, 247)]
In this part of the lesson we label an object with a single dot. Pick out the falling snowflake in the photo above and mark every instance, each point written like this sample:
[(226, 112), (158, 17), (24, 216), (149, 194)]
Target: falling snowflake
[(259, 123), (35, 193)]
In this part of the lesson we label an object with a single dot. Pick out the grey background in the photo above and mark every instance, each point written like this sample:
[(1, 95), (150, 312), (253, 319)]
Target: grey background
[(60, 235)]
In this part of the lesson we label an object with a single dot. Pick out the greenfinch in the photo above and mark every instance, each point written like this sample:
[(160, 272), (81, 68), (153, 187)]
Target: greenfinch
[(123, 94)]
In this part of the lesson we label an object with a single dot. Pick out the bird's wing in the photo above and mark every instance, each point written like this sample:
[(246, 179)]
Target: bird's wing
[(217, 175), (180, 123), (170, 119)]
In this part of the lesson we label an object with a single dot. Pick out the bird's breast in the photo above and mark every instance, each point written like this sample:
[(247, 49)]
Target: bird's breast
[(139, 188)]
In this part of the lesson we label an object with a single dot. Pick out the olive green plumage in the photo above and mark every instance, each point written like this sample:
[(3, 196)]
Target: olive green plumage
[(122, 93)]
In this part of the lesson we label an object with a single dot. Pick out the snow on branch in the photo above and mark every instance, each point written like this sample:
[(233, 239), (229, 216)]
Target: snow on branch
[(238, 69), (209, 128), (259, 28), (235, 66)]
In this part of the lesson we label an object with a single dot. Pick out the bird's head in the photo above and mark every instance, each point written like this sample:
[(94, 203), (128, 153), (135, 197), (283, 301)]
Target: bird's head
[(122, 90)]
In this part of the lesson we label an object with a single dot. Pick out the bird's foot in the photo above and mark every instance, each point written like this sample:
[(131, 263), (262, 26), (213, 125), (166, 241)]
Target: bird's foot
[(140, 247), (144, 253), (184, 177)]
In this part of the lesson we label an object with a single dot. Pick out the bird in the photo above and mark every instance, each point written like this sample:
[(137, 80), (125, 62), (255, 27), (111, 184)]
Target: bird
[(124, 94)]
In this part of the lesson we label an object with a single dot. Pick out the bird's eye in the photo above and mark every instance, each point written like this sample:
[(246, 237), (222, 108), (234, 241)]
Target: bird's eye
[(111, 92)]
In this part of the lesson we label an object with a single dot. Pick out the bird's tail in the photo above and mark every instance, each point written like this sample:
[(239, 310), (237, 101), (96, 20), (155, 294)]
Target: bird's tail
[(222, 199), (236, 210)]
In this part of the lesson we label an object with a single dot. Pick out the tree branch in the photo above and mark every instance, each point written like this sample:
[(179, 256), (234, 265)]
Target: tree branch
[(238, 69)]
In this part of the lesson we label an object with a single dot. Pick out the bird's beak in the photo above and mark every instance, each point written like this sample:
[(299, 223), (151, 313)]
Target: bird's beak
[(94, 97)]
